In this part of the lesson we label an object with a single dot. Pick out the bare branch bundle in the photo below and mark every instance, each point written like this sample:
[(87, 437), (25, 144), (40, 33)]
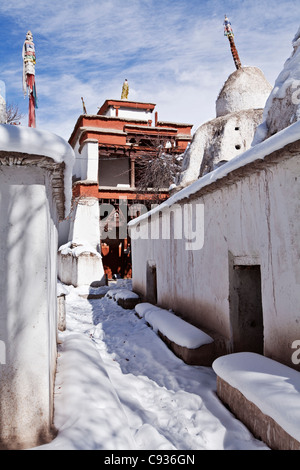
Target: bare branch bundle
[(157, 171), (13, 114)]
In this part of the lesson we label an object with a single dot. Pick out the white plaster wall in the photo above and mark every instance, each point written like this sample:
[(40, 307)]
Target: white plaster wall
[(52, 244), (79, 260), (84, 222), (63, 230), (82, 269), (79, 167), (90, 152), (86, 161), (132, 113), (257, 218), (28, 240), (220, 139), (135, 114)]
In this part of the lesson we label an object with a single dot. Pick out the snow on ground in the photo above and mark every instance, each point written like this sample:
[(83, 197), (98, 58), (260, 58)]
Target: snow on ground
[(118, 386)]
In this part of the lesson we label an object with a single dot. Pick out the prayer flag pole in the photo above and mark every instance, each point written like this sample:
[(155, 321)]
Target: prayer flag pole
[(229, 33), (29, 87)]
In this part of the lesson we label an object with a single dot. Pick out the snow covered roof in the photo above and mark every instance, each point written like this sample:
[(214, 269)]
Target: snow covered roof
[(27, 140), (258, 152), (246, 88)]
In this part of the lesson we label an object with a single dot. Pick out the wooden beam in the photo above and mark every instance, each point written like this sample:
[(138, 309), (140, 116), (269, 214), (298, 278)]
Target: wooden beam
[(132, 172)]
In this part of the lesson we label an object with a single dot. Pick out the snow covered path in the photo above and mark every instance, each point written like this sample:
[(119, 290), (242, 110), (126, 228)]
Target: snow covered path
[(168, 404)]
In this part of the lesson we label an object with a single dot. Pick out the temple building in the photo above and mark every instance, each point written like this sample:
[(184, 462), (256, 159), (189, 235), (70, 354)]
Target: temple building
[(112, 149)]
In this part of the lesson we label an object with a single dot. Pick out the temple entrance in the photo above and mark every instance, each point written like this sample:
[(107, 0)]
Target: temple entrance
[(115, 248), (246, 313), (116, 259)]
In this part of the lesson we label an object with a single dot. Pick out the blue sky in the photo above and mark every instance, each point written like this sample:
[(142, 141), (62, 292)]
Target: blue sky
[(173, 52)]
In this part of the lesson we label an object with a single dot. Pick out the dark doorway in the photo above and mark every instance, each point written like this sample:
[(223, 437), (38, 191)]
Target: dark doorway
[(246, 313), (151, 282)]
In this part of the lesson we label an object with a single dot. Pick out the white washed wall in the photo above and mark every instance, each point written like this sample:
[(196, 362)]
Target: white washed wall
[(80, 260), (255, 218), (130, 113), (28, 246)]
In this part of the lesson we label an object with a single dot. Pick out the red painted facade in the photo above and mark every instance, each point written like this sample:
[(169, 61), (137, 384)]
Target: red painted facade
[(125, 134)]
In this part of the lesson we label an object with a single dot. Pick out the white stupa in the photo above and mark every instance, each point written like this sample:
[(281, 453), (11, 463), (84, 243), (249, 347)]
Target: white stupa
[(283, 105), (239, 110), (246, 88)]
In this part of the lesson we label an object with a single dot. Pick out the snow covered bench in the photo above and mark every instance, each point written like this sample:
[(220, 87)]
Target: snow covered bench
[(124, 297), (264, 395), (189, 343)]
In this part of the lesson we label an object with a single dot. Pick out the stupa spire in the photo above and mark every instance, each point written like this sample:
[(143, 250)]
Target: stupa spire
[(125, 90), (229, 33), (83, 106)]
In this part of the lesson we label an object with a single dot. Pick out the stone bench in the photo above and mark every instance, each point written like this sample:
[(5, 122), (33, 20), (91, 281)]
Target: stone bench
[(186, 341), (124, 297), (264, 394)]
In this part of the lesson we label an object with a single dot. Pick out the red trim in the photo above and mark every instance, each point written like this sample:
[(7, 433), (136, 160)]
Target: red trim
[(92, 190), (131, 126), (126, 104)]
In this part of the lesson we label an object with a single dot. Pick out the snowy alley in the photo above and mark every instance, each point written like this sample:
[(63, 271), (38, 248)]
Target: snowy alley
[(162, 403)]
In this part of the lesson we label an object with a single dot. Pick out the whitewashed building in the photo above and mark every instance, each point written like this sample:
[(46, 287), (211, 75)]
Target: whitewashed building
[(35, 193), (233, 270)]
